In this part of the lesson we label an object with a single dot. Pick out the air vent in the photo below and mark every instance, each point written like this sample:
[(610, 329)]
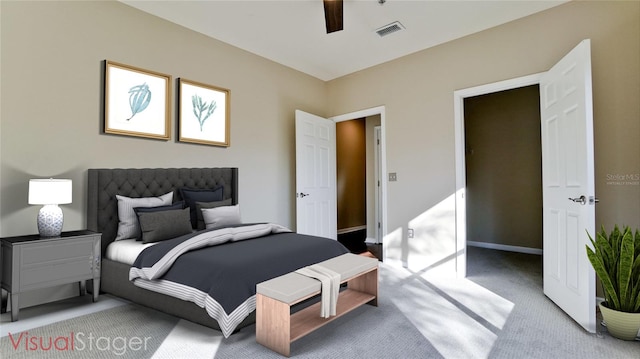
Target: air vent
[(389, 29)]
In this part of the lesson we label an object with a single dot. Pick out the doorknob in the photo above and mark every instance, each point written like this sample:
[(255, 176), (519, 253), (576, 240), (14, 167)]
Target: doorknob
[(582, 200), (302, 195)]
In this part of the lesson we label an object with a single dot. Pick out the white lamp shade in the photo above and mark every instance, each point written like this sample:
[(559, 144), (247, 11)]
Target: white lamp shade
[(49, 191)]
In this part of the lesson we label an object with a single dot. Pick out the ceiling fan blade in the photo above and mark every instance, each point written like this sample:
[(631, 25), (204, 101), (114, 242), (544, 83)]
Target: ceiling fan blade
[(333, 15)]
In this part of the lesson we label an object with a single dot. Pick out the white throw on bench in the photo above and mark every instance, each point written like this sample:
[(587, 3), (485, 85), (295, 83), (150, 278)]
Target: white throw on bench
[(330, 287), (277, 328)]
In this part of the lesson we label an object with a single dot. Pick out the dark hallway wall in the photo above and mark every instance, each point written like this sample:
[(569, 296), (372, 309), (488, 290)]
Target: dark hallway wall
[(351, 170), (504, 168)]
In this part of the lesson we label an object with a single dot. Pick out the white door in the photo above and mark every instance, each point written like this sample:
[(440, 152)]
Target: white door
[(568, 184), (316, 210)]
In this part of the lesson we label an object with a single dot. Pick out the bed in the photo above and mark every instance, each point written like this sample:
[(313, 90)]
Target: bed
[(253, 255)]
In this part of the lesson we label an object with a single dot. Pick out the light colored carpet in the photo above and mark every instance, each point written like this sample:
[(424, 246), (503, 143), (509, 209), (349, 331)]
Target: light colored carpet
[(498, 311), (367, 332), (127, 331), (535, 327)]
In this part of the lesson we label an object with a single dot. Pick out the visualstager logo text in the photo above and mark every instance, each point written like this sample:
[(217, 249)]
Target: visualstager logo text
[(77, 342)]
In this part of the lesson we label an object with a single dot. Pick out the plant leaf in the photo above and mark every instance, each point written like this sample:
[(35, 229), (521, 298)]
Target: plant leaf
[(636, 243), (616, 260), (635, 293), (625, 267), (607, 283), (604, 249)]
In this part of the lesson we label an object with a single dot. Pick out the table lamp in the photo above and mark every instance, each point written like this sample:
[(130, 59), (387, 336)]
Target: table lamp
[(50, 193)]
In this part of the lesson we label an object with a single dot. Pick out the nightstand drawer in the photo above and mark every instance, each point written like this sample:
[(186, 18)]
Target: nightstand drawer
[(55, 274), (50, 253)]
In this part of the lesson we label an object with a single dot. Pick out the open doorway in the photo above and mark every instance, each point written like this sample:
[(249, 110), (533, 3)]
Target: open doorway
[(460, 153), (358, 156), (568, 173), (503, 166), (316, 193), (381, 182)]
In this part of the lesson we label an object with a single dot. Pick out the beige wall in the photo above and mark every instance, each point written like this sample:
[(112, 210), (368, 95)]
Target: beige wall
[(51, 114), (503, 167), (51, 109), (417, 91)]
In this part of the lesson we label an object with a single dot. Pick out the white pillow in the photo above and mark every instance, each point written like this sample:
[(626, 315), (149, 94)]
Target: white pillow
[(128, 226), (221, 216)]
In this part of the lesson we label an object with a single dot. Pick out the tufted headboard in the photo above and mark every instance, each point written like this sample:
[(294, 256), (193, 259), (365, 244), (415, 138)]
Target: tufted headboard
[(104, 184)]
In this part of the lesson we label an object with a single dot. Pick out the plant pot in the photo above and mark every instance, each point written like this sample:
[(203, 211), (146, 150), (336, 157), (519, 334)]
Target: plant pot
[(621, 325)]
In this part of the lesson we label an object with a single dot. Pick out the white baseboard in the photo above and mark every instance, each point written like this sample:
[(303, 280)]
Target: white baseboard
[(351, 229), (504, 247), (371, 240)]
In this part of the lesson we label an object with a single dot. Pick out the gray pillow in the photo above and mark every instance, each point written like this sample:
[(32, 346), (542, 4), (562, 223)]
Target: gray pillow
[(193, 195), (204, 205), (138, 210), (163, 225), (128, 223), (221, 216)]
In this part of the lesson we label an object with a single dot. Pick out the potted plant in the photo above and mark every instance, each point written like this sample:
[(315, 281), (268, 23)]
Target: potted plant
[(616, 260)]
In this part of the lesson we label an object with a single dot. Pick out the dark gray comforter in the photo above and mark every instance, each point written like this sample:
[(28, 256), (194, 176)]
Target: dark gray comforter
[(219, 269)]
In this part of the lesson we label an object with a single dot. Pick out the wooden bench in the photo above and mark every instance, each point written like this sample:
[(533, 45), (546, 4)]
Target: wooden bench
[(277, 328)]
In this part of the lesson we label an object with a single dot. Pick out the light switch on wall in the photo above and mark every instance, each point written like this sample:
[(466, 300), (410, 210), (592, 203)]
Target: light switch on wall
[(393, 176)]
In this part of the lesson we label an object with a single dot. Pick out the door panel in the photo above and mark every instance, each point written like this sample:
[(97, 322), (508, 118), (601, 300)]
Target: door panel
[(552, 231), (567, 173), (316, 211), (552, 144)]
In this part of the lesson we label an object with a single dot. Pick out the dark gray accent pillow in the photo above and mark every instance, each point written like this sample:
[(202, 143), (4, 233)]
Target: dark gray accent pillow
[(163, 225), (193, 195), (138, 210), (205, 205), (176, 205)]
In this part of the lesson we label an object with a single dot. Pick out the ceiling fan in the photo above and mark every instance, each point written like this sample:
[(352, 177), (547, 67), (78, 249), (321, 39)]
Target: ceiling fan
[(333, 15)]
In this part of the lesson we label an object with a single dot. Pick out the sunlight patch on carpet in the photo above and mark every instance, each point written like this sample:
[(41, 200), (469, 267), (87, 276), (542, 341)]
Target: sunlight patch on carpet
[(474, 299), (189, 340), (451, 331)]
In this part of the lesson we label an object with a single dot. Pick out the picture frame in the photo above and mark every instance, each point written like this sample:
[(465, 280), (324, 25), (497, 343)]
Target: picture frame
[(137, 102), (203, 113)]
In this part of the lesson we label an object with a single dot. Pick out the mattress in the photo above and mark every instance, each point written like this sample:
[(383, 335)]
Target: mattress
[(126, 250)]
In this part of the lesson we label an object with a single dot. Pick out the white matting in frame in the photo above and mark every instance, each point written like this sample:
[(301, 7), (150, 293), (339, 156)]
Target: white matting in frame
[(137, 102), (203, 113)]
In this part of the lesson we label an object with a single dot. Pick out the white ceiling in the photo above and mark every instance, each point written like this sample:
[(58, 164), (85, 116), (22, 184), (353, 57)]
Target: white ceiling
[(292, 32)]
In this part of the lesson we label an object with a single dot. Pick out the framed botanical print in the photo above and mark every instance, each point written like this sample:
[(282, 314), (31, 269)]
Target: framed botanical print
[(203, 115), (137, 102)]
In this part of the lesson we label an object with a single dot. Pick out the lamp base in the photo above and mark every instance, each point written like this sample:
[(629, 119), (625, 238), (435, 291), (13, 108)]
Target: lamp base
[(50, 221)]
